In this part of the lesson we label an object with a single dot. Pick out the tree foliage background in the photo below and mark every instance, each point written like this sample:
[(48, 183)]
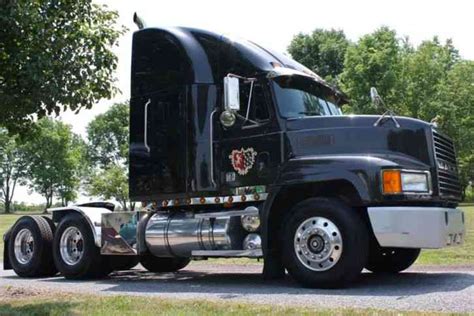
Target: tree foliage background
[(54, 55), (55, 161), (13, 165), (107, 137), (428, 82)]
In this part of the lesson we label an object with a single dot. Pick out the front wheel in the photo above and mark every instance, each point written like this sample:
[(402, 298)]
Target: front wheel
[(325, 243), (391, 260)]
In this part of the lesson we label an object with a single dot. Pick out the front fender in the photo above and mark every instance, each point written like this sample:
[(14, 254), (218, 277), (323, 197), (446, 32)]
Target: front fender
[(361, 171), (93, 216)]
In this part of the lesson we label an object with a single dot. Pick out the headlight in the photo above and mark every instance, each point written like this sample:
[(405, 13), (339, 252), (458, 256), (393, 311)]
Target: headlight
[(401, 181), (415, 182)]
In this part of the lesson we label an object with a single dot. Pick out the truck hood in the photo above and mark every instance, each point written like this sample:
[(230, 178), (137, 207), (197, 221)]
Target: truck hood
[(356, 134)]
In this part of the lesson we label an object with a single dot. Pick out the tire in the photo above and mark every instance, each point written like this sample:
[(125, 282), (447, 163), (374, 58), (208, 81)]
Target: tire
[(325, 243), (391, 260), (83, 263), (156, 264), (50, 223), (122, 263), (33, 256)]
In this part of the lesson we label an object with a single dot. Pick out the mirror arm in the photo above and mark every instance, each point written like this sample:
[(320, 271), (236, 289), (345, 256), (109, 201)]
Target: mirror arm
[(250, 101), (246, 79)]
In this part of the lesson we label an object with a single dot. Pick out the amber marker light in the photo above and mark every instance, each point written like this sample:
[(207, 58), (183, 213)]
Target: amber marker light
[(392, 182)]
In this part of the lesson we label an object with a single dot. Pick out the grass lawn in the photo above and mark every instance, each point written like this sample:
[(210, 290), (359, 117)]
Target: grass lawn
[(67, 304), (447, 256)]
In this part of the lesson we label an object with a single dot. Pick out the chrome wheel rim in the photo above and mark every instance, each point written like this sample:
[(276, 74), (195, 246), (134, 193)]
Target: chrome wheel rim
[(318, 244), (24, 246), (71, 245)]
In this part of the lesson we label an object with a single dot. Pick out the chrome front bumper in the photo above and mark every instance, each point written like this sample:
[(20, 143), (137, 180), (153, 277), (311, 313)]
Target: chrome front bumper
[(417, 227)]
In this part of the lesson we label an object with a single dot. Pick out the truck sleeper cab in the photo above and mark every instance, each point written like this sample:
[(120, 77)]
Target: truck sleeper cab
[(238, 151)]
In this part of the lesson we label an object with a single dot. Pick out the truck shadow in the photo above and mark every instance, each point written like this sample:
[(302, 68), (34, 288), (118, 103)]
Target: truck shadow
[(232, 285)]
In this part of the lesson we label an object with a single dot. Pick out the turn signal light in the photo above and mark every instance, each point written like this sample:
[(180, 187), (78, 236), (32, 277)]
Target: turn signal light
[(392, 182)]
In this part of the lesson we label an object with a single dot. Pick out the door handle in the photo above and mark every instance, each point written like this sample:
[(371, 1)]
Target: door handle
[(145, 132)]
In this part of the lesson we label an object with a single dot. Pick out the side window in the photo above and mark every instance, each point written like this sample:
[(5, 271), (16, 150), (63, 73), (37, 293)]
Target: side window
[(258, 104)]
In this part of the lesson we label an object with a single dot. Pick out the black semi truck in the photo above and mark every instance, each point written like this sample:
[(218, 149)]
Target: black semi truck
[(239, 151)]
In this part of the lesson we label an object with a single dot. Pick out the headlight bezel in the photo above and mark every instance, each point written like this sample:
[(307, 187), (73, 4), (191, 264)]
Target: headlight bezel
[(406, 172)]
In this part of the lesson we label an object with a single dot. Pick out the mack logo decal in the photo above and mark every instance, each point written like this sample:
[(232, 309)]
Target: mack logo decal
[(243, 160)]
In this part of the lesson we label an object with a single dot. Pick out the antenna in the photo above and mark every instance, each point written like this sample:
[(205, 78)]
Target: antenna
[(138, 21)]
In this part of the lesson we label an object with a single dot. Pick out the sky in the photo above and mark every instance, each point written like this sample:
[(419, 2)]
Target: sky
[(273, 23)]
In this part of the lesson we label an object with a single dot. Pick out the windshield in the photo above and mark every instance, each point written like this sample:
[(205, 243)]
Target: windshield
[(299, 97)]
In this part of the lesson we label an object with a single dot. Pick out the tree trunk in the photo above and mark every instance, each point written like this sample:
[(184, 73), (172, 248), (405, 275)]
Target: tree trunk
[(124, 205), (49, 199), (7, 205)]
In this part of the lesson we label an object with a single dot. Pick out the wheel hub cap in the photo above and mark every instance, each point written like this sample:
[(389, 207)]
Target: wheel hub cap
[(318, 243), (71, 246), (24, 246)]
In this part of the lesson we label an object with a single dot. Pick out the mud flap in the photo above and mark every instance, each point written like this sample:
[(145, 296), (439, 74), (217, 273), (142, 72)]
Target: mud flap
[(120, 235), (6, 259)]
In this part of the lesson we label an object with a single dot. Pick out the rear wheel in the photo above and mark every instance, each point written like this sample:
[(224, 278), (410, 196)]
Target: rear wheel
[(391, 260), (75, 252), (29, 248), (325, 243), (157, 264)]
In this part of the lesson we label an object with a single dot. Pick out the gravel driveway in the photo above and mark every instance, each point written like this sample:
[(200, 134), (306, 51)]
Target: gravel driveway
[(426, 289)]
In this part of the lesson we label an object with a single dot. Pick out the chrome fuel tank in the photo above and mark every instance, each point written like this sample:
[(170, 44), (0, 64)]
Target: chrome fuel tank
[(177, 235)]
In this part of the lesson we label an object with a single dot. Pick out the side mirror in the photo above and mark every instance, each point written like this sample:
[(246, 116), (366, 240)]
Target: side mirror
[(231, 93)]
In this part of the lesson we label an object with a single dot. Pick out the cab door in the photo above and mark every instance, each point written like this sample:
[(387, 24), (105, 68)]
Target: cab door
[(250, 152)]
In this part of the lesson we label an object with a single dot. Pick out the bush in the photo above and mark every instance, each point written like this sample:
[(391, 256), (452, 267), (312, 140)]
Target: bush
[(469, 194)]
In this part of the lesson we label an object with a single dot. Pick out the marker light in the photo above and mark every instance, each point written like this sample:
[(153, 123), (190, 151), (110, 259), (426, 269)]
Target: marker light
[(392, 183)]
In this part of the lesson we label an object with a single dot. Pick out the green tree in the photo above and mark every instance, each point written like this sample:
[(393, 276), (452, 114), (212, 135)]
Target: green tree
[(107, 138), (55, 161), (111, 183), (455, 110), (322, 51), (424, 73), (374, 61), (54, 55), (12, 167), (68, 186)]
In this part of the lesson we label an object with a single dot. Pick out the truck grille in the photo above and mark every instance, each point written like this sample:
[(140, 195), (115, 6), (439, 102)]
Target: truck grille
[(446, 166)]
